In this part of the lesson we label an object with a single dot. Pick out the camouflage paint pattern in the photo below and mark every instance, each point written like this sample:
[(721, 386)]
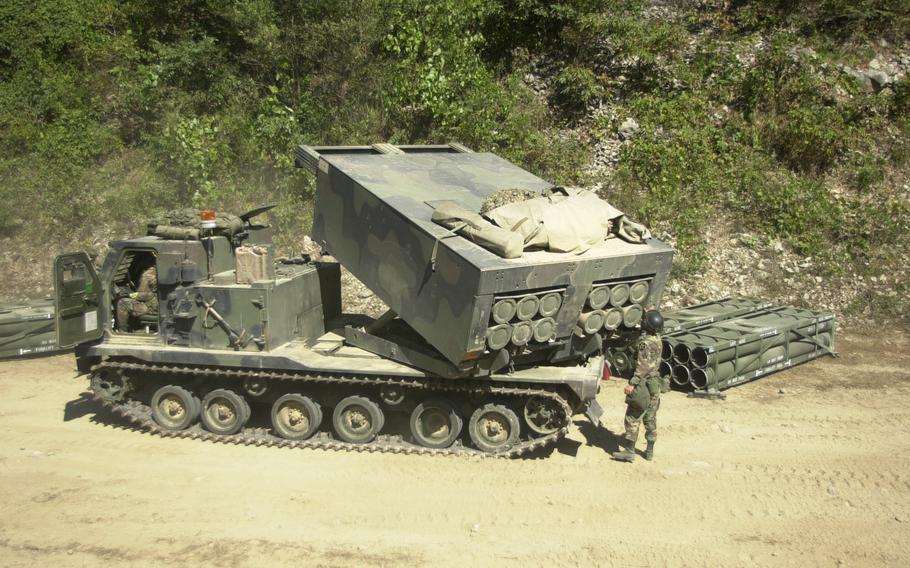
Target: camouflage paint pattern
[(282, 321), (373, 212), (271, 312)]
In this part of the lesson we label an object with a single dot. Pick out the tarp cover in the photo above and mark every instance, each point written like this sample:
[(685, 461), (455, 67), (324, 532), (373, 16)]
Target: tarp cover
[(470, 225), (566, 220)]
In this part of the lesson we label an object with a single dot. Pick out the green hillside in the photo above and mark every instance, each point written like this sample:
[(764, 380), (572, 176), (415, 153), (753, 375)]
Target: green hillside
[(789, 121)]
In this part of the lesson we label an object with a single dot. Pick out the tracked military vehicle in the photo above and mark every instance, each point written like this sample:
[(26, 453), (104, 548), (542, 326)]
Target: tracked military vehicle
[(486, 349)]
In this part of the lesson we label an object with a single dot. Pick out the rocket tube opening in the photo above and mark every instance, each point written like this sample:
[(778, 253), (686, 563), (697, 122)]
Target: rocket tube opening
[(504, 310), (681, 353), (631, 315), (498, 336), (544, 330), (522, 332), (619, 295), (666, 369), (550, 304), (527, 307), (613, 318), (700, 379), (639, 291), (700, 357), (681, 375), (666, 352), (599, 297), (591, 322)]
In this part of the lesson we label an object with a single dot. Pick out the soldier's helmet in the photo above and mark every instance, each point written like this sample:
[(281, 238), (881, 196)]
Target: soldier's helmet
[(653, 322)]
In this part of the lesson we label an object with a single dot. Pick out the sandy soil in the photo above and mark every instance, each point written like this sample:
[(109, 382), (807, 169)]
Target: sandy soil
[(807, 467)]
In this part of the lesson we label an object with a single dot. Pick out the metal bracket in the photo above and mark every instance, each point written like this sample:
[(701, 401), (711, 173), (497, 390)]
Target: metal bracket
[(814, 340), (594, 412), (708, 395), (397, 352)]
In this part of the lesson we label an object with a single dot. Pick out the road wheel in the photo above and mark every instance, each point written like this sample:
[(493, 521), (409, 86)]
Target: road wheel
[(493, 428), (175, 408), (435, 423), (224, 412), (357, 419), (295, 417), (543, 415)]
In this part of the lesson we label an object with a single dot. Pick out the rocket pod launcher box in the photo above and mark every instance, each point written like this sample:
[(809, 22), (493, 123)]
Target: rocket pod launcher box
[(374, 212)]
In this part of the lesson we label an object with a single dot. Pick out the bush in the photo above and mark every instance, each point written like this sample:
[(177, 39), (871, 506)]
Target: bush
[(575, 87), (807, 139)]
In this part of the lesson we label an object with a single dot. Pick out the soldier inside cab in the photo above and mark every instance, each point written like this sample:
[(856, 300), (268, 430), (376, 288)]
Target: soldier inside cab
[(137, 295)]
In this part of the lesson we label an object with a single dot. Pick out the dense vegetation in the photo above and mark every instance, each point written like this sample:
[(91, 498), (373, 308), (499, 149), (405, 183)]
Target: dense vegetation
[(110, 110)]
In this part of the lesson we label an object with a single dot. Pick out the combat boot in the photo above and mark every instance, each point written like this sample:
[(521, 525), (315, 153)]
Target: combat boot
[(649, 452), (627, 454)]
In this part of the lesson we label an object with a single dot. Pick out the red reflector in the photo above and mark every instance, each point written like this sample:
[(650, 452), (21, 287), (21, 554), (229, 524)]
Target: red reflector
[(472, 355), (206, 215), (606, 373)]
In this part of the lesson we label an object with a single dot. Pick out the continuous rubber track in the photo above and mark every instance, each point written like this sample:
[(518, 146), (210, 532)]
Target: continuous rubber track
[(140, 414)]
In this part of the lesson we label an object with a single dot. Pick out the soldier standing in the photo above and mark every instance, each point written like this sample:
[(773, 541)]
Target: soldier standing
[(644, 389), (141, 302)]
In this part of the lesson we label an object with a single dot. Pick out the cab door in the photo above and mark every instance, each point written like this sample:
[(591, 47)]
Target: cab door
[(78, 293)]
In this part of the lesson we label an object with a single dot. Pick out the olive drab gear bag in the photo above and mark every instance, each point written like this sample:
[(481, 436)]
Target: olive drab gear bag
[(640, 399), (474, 227), (653, 383)]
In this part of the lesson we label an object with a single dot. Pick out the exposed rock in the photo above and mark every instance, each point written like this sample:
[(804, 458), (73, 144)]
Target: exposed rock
[(628, 129), (859, 76), (878, 79)]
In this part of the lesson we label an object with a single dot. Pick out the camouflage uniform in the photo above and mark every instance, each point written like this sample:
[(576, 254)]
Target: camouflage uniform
[(646, 377), (141, 302)]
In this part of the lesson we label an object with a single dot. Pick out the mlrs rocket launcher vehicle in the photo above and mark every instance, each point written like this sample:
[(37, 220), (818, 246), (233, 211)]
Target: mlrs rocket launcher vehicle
[(494, 338)]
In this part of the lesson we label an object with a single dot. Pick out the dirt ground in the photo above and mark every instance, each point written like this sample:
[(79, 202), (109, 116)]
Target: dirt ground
[(806, 467)]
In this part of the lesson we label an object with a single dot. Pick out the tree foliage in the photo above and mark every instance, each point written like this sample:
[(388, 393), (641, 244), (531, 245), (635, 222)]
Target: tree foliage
[(109, 109)]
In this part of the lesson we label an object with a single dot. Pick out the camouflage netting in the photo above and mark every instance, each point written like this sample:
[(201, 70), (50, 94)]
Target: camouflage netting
[(505, 197)]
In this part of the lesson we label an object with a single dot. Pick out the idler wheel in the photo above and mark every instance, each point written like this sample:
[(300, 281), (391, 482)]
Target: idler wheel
[(435, 423), (621, 362), (175, 408), (224, 412), (393, 395), (543, 415), (493, 428), (111, 385), (295, 417), (357, 419), (255, 387)]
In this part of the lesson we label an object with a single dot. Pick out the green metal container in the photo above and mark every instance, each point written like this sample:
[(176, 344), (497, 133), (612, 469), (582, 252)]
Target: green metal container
[(27, 329), (757, 340)]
